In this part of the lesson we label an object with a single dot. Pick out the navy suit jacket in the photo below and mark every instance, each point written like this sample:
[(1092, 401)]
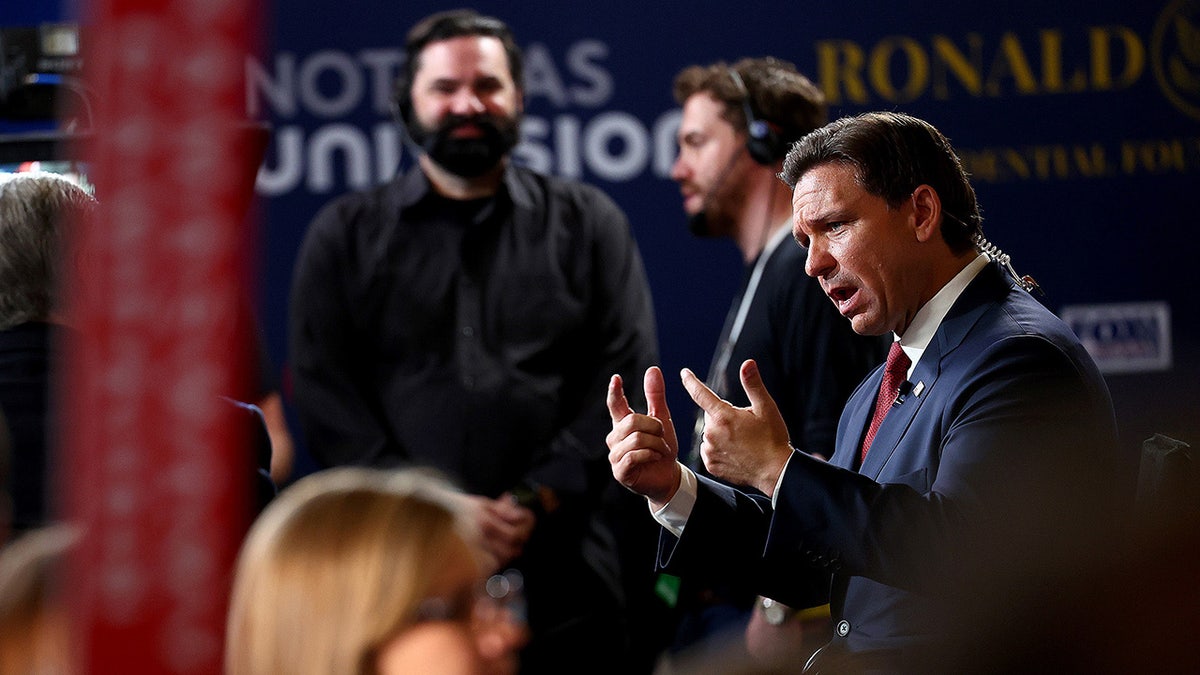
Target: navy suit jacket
[(999, 463)]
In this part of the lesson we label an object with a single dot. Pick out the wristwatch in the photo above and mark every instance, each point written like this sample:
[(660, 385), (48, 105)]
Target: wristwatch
[(774, 612)]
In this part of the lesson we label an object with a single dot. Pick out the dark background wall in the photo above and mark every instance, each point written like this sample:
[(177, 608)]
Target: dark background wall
[(1079, 120)]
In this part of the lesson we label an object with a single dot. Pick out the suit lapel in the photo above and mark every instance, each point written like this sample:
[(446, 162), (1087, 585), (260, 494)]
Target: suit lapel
[(887, 439), (989, 286), (855, 417)]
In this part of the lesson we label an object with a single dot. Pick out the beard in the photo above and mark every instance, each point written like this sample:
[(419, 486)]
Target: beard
[(711, 220), (467, 157), (699, 226), (723, 198)]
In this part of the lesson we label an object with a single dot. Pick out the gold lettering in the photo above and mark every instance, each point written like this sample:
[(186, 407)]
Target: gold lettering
[(1061, 161), (840, 64), (1052, 66), (1013, 160), (916, 67), (981, 165), (948, 59), (1041, 162), (1100, 39), (1128, 157), (900, 69), (1092, 160), (1153, 156), (1011, 61), (1172, 154), (1049, 162)]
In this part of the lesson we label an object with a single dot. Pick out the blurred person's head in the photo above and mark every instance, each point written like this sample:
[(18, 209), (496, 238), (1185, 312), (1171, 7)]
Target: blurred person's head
[(738, 123), (459, 95), (33, 620), (34, 207), (356, 570)]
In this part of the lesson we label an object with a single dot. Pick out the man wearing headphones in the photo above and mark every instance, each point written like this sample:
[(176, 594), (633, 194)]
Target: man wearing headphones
[(738, 123), (466, 316)]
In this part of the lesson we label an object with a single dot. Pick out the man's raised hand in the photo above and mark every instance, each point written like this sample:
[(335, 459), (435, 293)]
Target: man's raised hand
[(743, 446), (642, 448)]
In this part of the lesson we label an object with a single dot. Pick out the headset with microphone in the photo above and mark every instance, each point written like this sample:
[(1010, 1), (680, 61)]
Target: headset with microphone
[(762, 142)]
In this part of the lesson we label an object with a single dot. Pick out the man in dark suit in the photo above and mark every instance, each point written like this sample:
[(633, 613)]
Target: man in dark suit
[(967, 471)]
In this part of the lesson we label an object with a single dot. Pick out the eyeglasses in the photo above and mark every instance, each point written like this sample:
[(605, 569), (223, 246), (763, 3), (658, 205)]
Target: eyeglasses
[(501, 596)]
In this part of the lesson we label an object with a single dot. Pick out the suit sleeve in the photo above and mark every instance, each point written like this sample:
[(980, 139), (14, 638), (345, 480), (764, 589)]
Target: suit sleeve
[(1021, 470), (722, 545), (341, 424)]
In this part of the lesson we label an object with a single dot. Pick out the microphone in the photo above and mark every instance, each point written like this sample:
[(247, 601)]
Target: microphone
[(905, 388)]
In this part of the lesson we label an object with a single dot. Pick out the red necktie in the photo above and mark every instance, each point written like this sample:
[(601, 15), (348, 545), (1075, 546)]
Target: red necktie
[(894, 373)]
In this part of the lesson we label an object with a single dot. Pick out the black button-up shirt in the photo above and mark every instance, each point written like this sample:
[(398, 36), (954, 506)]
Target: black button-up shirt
[(476, 337)]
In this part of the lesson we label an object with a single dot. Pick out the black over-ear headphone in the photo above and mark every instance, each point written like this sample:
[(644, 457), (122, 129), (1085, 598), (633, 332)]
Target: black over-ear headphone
[(402, 96), (761, 140)]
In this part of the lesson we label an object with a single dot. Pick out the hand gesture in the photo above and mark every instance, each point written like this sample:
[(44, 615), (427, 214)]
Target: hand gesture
[(743, 446), (642, 448), (504, 526)]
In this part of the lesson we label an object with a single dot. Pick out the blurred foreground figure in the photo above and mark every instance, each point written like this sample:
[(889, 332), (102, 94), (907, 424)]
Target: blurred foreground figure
[(35, 209), (356, 570), (33, 618)]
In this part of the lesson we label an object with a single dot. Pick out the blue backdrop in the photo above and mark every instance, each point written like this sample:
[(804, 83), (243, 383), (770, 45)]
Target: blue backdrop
[(1079, 120)]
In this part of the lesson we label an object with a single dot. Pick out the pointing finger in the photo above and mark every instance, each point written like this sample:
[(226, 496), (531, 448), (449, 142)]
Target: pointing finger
[(656, 402), (618, 405), (756, 392), (701, 394), (656, 394)]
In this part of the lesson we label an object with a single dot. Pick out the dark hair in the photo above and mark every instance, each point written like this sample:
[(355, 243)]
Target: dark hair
[(892, 154), (445, 26), (779, 94)]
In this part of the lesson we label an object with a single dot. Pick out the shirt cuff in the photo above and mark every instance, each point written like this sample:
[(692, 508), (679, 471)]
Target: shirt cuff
[(674, 516), (778, 483)]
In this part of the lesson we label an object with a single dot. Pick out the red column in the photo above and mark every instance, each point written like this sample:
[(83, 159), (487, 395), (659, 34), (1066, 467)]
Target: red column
[(155, 472)]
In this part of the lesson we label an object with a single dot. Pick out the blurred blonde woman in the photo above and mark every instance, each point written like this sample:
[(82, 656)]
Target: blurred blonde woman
[(33, 619), (362, 571)]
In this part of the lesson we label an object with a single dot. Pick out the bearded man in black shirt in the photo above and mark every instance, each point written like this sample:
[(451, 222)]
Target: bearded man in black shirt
[(466, 316)]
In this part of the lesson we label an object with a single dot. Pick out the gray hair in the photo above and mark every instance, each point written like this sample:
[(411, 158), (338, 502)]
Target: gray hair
[(33, 209)]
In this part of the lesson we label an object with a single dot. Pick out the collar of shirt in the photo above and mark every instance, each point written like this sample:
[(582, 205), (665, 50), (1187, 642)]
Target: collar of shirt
[(414, 188), (927, 319)]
